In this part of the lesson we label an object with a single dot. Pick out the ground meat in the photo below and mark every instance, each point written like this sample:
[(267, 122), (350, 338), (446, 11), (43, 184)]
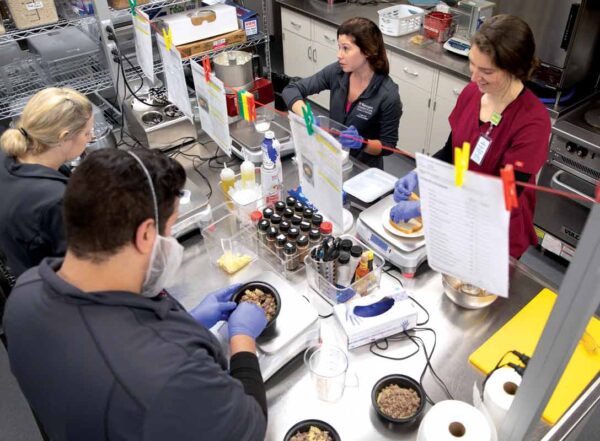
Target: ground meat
[(398, 402), (265, 300), (313, 434)]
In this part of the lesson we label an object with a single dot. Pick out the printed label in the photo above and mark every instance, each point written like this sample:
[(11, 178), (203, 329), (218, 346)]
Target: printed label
[(34, 5)]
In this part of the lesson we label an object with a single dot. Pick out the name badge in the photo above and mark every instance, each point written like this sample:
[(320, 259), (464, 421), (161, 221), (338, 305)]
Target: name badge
[(483, 144)]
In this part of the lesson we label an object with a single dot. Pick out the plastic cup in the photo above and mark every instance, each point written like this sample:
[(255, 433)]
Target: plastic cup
[(328, 366)]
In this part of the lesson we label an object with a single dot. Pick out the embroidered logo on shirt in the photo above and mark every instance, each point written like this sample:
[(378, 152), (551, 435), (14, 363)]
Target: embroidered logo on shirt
[(364, 111)]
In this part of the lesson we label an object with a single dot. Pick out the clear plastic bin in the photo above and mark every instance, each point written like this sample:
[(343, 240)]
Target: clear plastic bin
[(330, 291), (229, 235), (329, 124), (244, 208), (285, 265)]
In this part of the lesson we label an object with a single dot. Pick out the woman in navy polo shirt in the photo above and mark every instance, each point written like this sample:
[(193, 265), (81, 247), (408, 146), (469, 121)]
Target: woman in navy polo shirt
[(54, 128)]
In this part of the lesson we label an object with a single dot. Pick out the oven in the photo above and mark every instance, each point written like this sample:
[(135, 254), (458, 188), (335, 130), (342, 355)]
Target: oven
[(573, 166)]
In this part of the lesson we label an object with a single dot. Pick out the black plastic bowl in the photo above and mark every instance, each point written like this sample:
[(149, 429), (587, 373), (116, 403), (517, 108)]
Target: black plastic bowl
[(304, 426), (402, 381), (267, 288)]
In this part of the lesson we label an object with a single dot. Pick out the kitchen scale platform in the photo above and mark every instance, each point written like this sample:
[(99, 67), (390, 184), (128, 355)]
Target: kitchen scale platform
[(407, 254), (246, 140), (297, 327)]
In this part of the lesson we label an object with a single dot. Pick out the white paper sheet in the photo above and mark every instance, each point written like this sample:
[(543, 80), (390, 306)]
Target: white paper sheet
[(177, 91), (320, 158), (466, 228), (143, 44), (212, 104)]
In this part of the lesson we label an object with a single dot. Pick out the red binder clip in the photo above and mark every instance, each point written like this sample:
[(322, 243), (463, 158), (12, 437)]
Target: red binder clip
[(598, 192), (251, 107), (510, 189), (207, 68)]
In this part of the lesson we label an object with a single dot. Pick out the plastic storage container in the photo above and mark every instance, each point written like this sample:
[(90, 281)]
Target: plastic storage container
[(438, 26), (329, 124), (400, 20), (332, 293), (229, 240), (242, 203)]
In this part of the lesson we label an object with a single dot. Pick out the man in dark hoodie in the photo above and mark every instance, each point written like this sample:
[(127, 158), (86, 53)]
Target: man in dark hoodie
[(100, 350)]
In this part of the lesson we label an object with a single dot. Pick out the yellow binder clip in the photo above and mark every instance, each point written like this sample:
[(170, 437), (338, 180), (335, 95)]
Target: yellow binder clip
[(461, 163)]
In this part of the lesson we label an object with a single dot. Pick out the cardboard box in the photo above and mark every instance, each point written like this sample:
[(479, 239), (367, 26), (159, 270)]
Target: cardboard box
[(247, 20), (199, 47), (202, 23), (31, 13)]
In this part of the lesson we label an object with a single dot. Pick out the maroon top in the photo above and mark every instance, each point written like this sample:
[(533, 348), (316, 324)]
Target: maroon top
[(520, 139)]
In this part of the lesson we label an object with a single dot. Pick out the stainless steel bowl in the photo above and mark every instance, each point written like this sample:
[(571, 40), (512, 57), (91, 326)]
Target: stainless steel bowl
[(466, 295)]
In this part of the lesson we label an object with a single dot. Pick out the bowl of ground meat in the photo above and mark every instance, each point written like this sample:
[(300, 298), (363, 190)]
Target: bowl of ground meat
[(265, 296), (312, 430), (398, 399)]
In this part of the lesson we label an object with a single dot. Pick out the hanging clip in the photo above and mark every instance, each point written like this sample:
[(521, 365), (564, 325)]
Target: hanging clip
[(461, 163), (207, 68), (251, 107), (132, 6), (309, 119), (240, 103), (598, 192), (168, 35), (509, 188)]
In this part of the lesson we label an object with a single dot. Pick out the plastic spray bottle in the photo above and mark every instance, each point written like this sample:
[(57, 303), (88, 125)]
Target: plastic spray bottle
[(270, 171)]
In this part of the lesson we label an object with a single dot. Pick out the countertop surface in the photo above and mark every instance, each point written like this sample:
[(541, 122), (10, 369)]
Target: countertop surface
[(432, 54), (290, 392)]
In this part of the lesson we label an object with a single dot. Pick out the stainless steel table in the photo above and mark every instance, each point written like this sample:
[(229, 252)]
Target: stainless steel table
[(290, 393)]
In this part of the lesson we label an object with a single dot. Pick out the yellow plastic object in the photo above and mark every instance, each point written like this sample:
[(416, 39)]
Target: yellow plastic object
[(232, 263), (522, 333)]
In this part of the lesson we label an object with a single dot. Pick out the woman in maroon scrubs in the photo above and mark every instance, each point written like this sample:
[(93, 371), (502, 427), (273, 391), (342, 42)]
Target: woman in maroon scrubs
[(504, 122)]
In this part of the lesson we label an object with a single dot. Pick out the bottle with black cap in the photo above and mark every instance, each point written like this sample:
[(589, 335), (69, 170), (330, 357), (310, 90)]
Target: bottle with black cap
[(288, 213), (308, 214), (284, 226), (346, 245), (275, 219), (316, 220), (292, 234), (290, 201), (279, 207), (272, 233), (267, 213), (291, 256), (355, 253), (302, 246), (296, 220), (315, 237), (263, 226), (305, 226), (343, 273), (299, 208), (280, 242)]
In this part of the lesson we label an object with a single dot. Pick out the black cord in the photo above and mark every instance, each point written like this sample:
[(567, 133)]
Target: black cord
[(391, 268), (377, 344)]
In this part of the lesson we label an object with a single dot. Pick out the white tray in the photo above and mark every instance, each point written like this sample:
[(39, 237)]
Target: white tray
[(370, 185)]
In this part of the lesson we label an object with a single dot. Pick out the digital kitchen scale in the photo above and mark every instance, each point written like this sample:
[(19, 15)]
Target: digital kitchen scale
[(404, 253), (297, 328), (247, 141)]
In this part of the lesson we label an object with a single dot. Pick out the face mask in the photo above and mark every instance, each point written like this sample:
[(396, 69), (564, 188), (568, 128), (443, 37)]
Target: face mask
[(165, 260), (166, 256)]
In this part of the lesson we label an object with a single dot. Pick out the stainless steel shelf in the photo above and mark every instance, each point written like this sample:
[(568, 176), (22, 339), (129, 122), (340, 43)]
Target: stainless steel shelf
[(148, 8), (14, 34), (251, 42)]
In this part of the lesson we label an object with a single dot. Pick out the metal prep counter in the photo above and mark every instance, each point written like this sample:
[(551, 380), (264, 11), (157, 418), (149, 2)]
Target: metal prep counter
[(290, 393)]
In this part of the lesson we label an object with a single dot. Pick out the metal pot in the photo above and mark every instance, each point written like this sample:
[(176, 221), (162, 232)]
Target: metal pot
[(104, 140), (235, 68)]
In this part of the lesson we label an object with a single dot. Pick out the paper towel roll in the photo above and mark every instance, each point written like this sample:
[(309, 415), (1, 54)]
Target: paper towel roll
[(499, 393), (453, 420)]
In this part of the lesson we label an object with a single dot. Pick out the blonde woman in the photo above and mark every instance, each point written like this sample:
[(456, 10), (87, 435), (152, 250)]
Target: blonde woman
[(55, 127)]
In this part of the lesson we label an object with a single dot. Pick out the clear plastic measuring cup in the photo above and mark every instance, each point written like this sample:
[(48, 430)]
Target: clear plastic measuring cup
[(328, 365)]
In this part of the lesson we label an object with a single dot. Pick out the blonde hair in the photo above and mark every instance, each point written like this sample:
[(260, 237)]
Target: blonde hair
[(51, 115)]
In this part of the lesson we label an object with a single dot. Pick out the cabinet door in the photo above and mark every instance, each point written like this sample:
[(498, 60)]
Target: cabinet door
[(415, 113), (322, 56), (440, 128), (297, 55)]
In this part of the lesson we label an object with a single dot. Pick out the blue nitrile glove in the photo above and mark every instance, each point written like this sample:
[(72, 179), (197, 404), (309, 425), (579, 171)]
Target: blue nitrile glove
[(215, 307), (405, 210), (405, 186), (350, 139), (247, 319)]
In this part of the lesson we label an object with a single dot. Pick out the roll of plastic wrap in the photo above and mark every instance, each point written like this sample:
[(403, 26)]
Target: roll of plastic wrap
[(499, 393), (452, 420)]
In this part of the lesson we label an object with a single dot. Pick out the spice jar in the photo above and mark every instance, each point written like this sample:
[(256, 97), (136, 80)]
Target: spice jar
[(267, 213), (280, 242), (290, 201), (296, 219), (291, 257), (299, 208), (315, 237), (302, 247), (275, 219), (292, 234), (346, 245), (344, 273), (308, 214), (279, 207), (316, 220), (284, 226), (326, 228), (255, 217), (272, 233), (262, 228), (288, 213), (305, 226)]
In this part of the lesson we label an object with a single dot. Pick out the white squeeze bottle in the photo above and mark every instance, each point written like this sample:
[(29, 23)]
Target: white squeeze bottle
[(270, 170), (227, 178), (248, 174)]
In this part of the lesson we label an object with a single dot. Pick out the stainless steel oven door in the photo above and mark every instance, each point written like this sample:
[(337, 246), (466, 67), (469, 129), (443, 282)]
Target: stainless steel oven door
[(561, 217)]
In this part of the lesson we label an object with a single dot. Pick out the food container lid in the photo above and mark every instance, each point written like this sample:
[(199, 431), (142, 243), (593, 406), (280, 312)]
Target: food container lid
[(326, 227)]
